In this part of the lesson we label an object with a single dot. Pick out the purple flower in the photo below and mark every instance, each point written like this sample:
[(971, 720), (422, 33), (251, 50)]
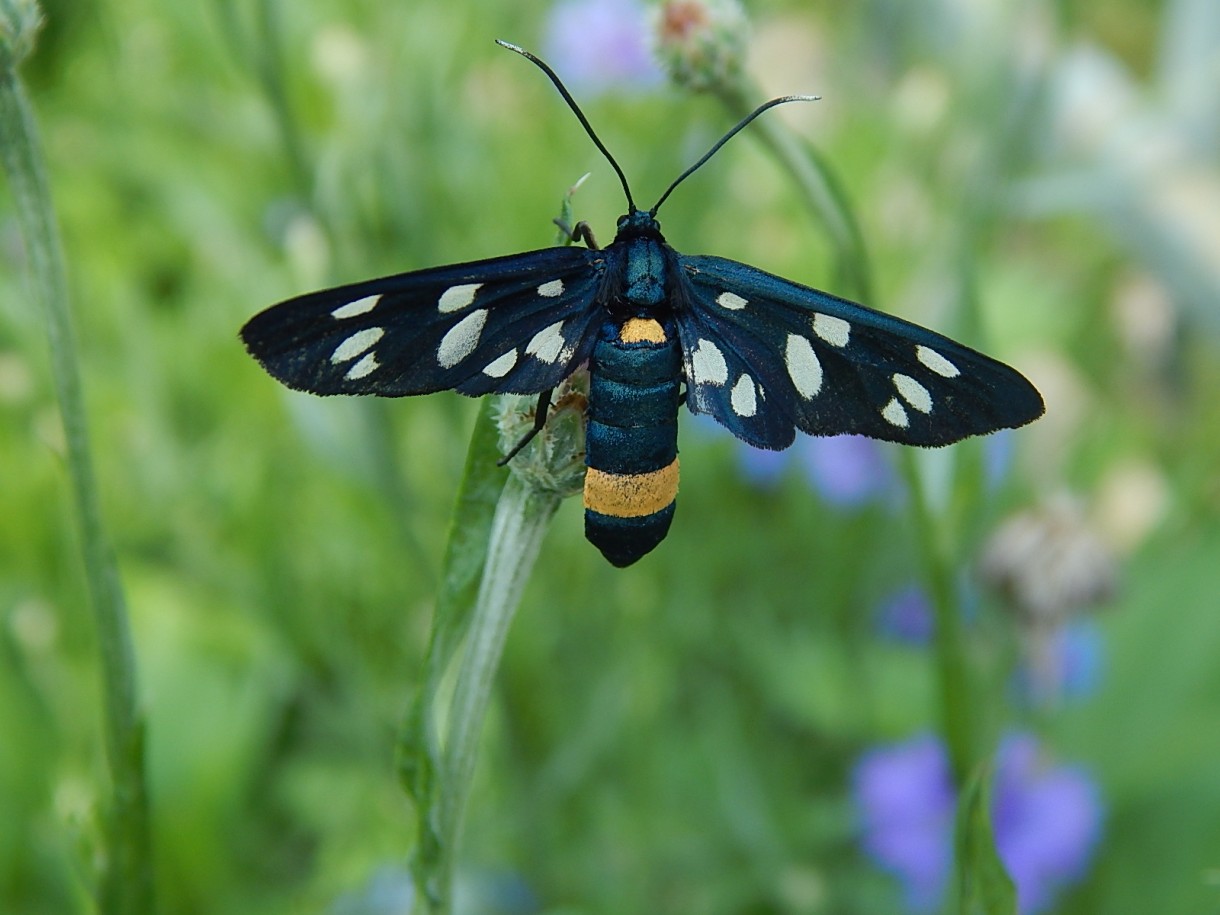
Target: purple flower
[(999, 449), (847, 471), (762, 467), (1046, 819), (388, 891), (599, 44), (905, 797), (906, 616), (1064, 663)]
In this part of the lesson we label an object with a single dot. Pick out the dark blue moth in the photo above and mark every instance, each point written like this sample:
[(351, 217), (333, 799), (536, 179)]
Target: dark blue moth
[(762, 355)]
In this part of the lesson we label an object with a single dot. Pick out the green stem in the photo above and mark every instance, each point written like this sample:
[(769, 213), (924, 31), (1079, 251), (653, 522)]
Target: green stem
[(954, 683), (521, 519), (127, 879), (262, 51), (822, 190)]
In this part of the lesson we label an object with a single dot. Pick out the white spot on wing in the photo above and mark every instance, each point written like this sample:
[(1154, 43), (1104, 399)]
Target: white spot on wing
[(365, 366), (913, 393), (455, 298), (743, 397), (834, 331), (730, 300), (502, 366), (547, 344), (552, 289), (461, 339), (936, 362), (707, 363), (356, 344), (358, 307), (803, 366), (894, 414)]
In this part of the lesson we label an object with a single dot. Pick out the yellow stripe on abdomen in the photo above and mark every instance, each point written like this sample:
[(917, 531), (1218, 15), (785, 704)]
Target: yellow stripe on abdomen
[(641, 330), (631, 495)]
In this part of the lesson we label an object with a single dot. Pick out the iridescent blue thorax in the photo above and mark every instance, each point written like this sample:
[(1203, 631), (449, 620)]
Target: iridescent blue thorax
[(645, 263)]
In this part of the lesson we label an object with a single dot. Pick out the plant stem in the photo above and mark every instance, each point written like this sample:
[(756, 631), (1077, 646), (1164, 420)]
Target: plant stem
[(823, 193), (127, 877), (957, 702), (520, 522)]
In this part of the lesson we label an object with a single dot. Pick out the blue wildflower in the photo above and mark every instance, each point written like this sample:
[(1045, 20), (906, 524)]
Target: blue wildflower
[(1046, 819), (906, 799), (388, 891), (906, 616), (601, 44), (999, 451), (1067, 665), (847, 471), (761, 466)]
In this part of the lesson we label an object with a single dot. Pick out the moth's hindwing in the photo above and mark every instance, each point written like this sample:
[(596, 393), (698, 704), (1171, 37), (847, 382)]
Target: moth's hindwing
[(766, 356), (518, 324)]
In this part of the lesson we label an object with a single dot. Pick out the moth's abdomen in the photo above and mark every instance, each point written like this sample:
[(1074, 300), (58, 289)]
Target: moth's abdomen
[(631, 442)]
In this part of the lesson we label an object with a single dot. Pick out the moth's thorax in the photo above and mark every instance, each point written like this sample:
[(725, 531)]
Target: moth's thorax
[(644, 264), (644, 270)]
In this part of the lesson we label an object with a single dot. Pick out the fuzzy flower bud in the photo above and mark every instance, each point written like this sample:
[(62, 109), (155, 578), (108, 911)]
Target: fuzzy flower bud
[(702, 43), (554, 461), (1049, 563)]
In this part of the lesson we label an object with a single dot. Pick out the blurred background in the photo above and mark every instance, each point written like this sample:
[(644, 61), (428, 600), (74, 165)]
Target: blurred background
[(747, 720)]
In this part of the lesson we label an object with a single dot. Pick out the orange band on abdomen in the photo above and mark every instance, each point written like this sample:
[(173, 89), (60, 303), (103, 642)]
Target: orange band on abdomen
[(631, 495)]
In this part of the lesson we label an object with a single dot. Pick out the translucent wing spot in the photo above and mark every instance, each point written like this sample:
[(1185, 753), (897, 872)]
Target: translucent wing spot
[(356, 344), (894, 414), (731, 301), (502, 366), (803, 366), (913, 393), (936, 362), (365, 366), (358, 307), (552, 289), (834, 331), (547, 343), (461, 338), (707, 362), (743, 398), (455, 298)]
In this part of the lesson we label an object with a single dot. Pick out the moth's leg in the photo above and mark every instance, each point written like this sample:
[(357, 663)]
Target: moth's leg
[(540, 414), (582, 232)]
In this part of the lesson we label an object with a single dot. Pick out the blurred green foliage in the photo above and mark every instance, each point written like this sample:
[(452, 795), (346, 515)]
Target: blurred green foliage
[(678, 736)]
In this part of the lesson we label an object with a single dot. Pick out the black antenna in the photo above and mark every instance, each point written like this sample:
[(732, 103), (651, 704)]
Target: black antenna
[(584, 122), (728, 136)]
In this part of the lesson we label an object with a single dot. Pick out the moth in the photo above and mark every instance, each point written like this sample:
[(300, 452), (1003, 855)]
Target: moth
[(764, 356)]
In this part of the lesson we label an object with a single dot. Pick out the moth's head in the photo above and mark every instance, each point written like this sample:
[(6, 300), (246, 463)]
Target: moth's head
[(637, 222)]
